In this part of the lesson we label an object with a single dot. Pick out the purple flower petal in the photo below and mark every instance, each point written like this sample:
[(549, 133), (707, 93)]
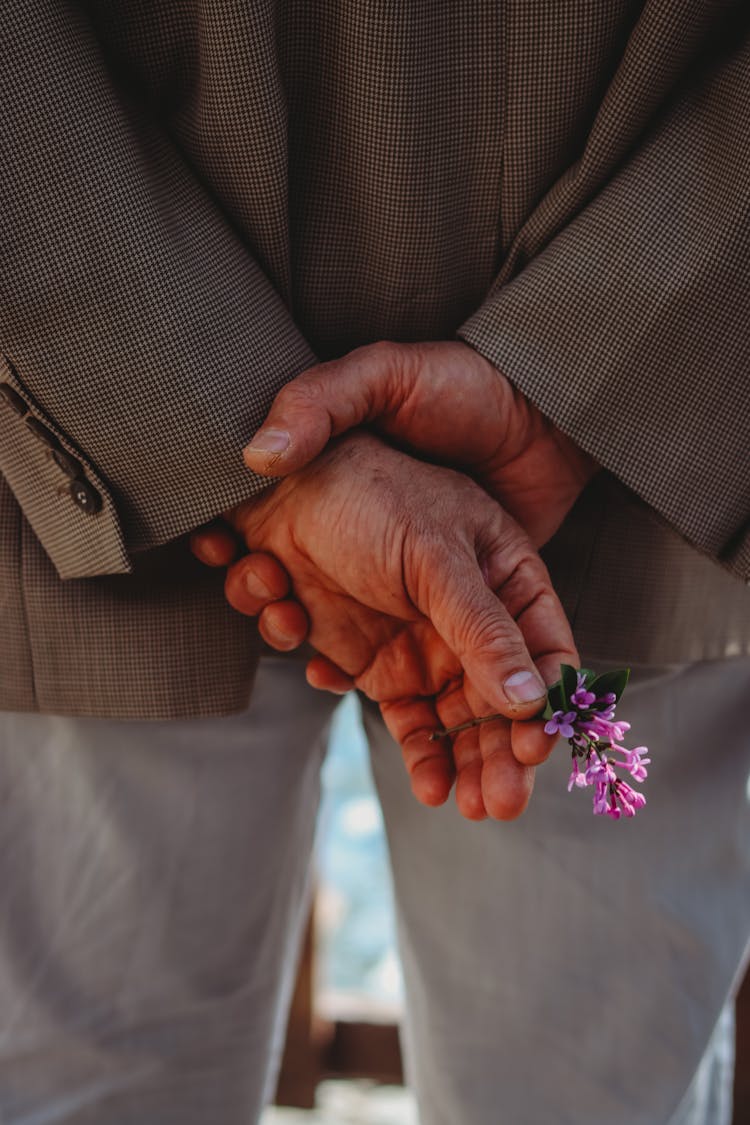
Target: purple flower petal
[(582, 698), (561, 723)]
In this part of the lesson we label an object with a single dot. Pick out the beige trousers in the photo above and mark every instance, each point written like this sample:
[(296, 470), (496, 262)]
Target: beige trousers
[(560, 970)]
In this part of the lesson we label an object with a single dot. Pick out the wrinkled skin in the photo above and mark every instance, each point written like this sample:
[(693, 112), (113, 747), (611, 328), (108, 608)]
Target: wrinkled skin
[(451, 405)]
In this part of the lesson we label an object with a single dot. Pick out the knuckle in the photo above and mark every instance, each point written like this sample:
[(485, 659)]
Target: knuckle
[(305, 390), (489, 634), (385, 356), (527, 585), (381, 349)]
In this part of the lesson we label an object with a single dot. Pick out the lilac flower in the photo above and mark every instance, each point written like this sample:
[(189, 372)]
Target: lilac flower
[(582, 697), (601, 799), (561, 723), (600, 772), (616, 799), (577, 777), (595, 737), (608, 713), (635, 762), (629, 799)]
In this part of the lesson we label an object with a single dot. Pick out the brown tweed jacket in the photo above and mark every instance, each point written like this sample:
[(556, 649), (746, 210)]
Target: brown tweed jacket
[(197, 199)]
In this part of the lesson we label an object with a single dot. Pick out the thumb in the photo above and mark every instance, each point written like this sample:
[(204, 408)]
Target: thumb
[(503, 621), (490, 646), (326, 401)]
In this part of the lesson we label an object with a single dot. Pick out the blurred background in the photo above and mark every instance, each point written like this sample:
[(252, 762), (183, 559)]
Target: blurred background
[(342, 1063)]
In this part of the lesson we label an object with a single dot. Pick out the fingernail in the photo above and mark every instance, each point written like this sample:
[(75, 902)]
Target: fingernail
[(256, 587), (269, 441), (524, 687)]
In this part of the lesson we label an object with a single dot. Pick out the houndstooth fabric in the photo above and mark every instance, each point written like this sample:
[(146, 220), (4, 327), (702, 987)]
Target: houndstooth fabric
[(196, 200)]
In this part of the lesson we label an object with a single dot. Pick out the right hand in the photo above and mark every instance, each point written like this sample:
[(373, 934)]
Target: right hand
[(446, 402), (395, 562)]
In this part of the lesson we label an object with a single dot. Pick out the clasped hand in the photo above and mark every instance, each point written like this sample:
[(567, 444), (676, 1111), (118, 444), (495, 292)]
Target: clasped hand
[(414, 584)]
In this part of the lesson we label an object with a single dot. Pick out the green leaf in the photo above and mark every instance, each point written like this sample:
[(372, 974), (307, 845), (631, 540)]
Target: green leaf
[(554, 700), (569, 684), (558, 695), (611, 682), (549, 710)]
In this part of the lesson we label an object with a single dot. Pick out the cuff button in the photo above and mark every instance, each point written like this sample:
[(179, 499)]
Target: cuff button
[(85, 497)]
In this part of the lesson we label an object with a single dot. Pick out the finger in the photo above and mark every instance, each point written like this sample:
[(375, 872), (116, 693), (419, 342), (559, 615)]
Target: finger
[(454, 710), (530, 599), (526, 592), (254, 582), (214, 544), (328, 400), (531, 746), (506, 783), (428, 764), (324, 675), (479, 629), (284, 625), (502, 619), (527, 745), (507, 748)]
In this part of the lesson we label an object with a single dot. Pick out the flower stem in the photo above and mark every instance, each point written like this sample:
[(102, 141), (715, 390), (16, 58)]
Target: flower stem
[(436, 734)]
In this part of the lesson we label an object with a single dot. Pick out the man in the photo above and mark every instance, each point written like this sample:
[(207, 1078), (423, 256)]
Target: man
[(198, 201)]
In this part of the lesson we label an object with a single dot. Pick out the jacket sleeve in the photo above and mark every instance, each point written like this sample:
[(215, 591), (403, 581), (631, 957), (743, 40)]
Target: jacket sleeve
[(629, 322), (140, 343)]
